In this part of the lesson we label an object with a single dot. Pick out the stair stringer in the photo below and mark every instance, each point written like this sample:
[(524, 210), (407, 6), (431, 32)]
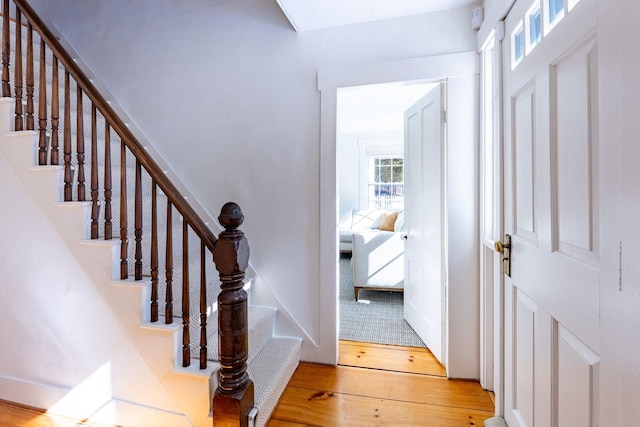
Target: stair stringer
[(171, 390)]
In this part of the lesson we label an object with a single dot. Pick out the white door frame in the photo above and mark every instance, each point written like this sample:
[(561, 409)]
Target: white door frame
[(491, 229), (463, 298)]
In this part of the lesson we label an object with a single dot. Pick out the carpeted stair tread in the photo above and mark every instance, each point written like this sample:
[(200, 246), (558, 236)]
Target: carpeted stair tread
[(270, 372), (261, 321)]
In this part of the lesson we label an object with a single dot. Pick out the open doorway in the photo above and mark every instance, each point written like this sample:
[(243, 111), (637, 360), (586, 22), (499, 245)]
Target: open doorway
[(370, 176), (461, 301)]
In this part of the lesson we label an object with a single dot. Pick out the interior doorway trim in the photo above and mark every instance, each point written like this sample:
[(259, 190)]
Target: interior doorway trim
[(329, 81)]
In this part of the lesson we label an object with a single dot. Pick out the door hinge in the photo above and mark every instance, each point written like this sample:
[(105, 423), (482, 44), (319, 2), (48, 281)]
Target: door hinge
[(444, 116)]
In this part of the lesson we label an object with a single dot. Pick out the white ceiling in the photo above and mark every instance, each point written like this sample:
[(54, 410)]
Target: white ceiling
[(315, 14)]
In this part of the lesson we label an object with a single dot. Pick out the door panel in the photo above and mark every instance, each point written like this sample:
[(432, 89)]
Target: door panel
[(424, 277), (524, 152), (552, 212), (577, 380), (577, 172), (524, 345)]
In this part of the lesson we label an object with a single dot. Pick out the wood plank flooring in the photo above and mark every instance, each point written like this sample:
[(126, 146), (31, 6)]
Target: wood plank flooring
[(14, 415), (373, 385), (376, 385)]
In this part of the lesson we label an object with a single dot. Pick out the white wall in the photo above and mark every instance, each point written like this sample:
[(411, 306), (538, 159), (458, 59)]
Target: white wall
[(348, 171), (226, 92), (351, 167)]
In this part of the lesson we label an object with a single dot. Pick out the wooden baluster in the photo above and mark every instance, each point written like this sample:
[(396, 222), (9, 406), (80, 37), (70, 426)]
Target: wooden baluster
[(30, 77), (124, 242), (186, 339), (108, 215), (55, 112), (95, 206), (203, 307), (42, 106), (82, 194), (6, 49), (154, 252), (234, 396), (168, 316), (66, 136), (137, 221), (17, 84)]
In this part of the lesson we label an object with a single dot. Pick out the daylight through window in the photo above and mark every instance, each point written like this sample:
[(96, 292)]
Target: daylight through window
[(386, 182)]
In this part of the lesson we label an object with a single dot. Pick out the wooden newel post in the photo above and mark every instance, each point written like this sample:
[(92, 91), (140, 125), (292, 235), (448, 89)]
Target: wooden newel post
[(234, 397)]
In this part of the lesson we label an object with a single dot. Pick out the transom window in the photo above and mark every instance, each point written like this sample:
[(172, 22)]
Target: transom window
[(555, 12), (529, 32), (517, 46), (534, 26), (385, 187)]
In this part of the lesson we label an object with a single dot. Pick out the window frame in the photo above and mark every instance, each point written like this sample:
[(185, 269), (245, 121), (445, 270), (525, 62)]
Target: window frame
[(388, 146), (514, 59), (375, 201)]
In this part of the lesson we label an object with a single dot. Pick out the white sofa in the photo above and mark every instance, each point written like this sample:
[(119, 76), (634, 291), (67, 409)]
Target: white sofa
[(354, 220), (377, 255)]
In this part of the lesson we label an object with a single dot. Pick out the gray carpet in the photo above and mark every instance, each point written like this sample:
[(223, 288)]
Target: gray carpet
[(378, 316)]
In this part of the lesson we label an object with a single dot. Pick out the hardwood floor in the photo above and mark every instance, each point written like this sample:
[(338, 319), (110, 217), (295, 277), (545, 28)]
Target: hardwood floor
[(377, 385), (373, 385), (14, 415)]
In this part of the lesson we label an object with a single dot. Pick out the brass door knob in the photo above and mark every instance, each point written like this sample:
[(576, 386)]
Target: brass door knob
[(500, 247)]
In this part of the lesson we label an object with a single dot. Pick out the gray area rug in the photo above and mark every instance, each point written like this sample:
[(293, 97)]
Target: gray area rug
[(377, 318)]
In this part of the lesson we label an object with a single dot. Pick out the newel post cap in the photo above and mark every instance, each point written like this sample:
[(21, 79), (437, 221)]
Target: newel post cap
[(231, 216), (231, 253)]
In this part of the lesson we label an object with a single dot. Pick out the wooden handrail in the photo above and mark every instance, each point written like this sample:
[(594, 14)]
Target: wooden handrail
[(132, 143)]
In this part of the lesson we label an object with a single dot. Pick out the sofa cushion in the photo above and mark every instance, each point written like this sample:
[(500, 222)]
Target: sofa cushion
[(365, 219), (388, 221), (345, 235)]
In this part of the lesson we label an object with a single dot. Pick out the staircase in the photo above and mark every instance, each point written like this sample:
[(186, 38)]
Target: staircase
[(144, 246)]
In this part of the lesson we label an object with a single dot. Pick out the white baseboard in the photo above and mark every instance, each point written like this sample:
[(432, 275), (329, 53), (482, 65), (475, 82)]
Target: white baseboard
[(95, 407)]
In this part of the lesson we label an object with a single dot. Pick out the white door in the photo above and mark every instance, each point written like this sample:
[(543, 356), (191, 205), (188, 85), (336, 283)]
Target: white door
[(424, 220), (552, 213)]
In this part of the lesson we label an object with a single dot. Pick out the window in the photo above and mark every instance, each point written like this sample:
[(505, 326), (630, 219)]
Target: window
[(528, 32), (385, 187), (555, 12), (517, 45), (533, 20)]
